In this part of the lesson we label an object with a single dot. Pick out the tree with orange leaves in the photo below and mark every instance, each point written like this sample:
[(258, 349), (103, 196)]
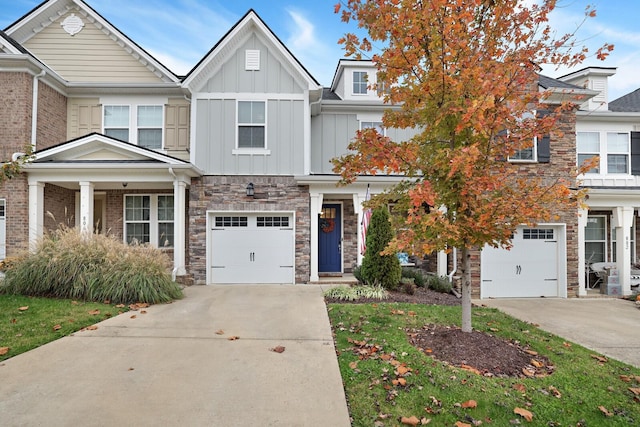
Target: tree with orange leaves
[(464, 74)]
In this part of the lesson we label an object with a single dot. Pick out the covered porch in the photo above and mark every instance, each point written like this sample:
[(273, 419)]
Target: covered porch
[(608, 242), (102, 185)]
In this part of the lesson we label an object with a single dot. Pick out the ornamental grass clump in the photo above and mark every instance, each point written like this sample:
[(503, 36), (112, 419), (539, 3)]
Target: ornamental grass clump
[(67, 264)]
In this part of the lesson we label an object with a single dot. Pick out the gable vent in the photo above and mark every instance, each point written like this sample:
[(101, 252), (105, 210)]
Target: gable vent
[(252, 60)]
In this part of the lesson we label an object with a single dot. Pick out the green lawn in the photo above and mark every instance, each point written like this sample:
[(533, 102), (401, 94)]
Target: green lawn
[(583, 390), (27, 322)]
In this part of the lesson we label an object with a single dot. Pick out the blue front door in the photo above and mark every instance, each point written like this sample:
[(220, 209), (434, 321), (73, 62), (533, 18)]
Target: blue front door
[(330, 239)]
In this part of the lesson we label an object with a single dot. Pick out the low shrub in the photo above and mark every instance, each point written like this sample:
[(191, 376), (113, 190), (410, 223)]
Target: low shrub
[(67, 264), (415, 274), (357, 273), (439, 284), (353, 293)]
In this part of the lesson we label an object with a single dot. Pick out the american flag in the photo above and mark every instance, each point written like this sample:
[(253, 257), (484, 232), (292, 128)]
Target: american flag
[(366, 217)]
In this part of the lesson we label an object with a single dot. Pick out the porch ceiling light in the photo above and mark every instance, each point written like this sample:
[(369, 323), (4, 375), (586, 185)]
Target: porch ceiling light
[(250, 190)]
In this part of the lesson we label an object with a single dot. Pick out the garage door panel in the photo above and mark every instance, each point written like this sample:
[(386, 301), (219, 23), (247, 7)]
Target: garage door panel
[(529, 269), (252, 253)]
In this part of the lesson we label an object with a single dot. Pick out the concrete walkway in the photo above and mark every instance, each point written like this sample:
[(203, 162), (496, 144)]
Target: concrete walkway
[(169, 367), (608, 326)]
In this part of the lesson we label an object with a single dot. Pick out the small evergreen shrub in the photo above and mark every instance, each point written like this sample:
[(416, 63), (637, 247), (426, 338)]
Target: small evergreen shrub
[(380, 269), (439, 284), (408, 286), (357, 273), (415, 274), (67, 264)]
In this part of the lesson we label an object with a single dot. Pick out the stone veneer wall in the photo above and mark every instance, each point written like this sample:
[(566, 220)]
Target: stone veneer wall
[(562, 164), (350, 245), (228, 193)]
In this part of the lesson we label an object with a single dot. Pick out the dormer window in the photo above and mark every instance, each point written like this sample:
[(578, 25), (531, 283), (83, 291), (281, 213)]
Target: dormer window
[(360, 83)]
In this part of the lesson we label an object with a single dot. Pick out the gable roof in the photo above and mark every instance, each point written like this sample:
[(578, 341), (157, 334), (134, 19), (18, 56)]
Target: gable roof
[(97, 149), (48, 11), (215, 57), (9, 45)]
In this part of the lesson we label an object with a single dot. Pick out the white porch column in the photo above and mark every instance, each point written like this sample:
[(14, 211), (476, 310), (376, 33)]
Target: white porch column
[(316, 208), (442, 267), (358, 199), (622, 221), (582, 266), (36, 213), (86, 207), (179, 233)]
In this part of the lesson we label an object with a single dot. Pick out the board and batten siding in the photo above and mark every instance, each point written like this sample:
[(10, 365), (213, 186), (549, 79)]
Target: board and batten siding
[(272, 76), (331, 134), (88, 56), (216, 135)]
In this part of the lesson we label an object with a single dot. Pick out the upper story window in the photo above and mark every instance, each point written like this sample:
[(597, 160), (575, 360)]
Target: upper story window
[(614, 152), (137, 124), (360, 82), (252, 124), (527, 154), (373, 125)]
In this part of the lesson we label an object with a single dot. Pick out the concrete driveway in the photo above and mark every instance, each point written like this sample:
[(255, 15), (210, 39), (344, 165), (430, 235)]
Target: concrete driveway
[(608, 326), (169, 367)]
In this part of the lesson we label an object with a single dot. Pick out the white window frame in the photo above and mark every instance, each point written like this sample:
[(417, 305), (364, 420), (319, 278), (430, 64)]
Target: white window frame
[(604, 151), (252, 150), (153, 221), (374, 124), (534, 149), (359, 83), (133, 103), (140, 127), (601, 241)]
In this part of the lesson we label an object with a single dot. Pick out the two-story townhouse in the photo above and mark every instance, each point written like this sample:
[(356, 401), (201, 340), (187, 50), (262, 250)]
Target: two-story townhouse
[(228, 168), (611, 131), (109, 126)]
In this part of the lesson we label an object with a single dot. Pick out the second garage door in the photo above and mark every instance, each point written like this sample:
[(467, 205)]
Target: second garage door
[(252, 248), (529, 269)]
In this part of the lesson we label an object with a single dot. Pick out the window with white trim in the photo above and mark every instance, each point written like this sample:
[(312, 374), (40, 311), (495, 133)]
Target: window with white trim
[(252, 124), (588, 146), (149, 219), (373, 125), (528, 154), (595, 239), (614, 149), (360, 82), (137, 124)]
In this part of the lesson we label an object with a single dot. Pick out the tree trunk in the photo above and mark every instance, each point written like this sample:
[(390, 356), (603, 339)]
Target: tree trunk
[(466, 290)]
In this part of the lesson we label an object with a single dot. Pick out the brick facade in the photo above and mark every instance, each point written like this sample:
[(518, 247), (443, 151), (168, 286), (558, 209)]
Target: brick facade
[(562, 164), (52, 117), (59, 207), (228, 193), (15, 113)]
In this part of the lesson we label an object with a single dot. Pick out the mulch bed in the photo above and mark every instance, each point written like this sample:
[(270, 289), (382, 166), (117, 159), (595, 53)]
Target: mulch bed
[(477, 352)]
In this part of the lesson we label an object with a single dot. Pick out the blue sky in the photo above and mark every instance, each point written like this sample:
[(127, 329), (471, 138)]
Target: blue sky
[(180, 32)]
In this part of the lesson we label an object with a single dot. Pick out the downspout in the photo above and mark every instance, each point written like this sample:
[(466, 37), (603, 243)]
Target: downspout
[(34, 107), (455, 265)]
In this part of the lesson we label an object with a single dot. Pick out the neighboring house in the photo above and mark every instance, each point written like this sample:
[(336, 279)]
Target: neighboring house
[(227, 168), (610, 130)]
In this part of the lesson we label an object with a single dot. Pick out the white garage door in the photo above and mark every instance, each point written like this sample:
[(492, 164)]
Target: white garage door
[(529, 269), (252, 248)]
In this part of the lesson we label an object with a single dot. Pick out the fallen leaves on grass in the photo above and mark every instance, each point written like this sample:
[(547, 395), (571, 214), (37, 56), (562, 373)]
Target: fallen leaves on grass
[(527, 415), (57, 327), (599, 358), (4, 350), (461, 424), (470, 404), (94, 312), (25, 308), (89, 328), (605, 411), (635, 391)]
